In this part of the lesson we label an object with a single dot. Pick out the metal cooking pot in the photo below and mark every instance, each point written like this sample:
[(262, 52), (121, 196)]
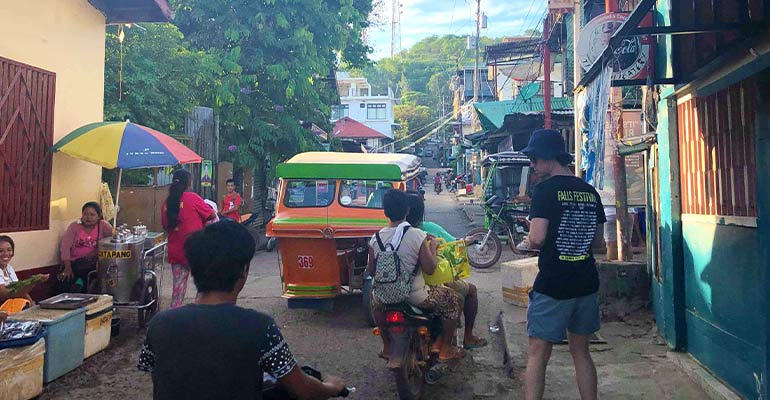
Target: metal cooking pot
[(119, 271)]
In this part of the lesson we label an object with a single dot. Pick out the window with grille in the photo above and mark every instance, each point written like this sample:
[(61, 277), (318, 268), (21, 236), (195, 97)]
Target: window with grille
[(717, 136), (26, 136), (376, 111)]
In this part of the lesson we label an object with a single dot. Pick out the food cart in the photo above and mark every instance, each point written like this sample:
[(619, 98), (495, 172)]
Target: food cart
[(329, 205)]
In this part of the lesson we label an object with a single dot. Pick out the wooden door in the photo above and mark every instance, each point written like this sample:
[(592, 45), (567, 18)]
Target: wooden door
[(26, 137)]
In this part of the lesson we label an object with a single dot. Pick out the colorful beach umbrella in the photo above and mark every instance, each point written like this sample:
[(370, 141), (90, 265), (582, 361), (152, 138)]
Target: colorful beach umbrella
[(125, 145)]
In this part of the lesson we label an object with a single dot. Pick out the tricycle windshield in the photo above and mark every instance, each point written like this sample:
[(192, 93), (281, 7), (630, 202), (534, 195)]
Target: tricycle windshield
[(363, 193), (309, 193)]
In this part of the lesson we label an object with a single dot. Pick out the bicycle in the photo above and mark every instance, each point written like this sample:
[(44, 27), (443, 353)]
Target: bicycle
[(508, 223)]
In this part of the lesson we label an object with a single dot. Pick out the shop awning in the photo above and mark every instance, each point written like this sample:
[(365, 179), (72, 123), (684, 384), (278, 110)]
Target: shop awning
[(492, 113), (131, 11)]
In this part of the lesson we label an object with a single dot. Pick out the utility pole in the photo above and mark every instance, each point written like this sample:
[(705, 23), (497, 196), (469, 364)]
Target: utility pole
[(619, 164), (546, 76), (577, 18), (476, 68)]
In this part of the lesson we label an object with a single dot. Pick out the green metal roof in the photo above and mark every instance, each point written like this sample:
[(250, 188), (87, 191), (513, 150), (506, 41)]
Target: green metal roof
[(332, 165), (492, 114)]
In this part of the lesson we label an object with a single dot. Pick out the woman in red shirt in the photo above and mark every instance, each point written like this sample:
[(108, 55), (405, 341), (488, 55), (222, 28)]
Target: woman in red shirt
[(182, 213)]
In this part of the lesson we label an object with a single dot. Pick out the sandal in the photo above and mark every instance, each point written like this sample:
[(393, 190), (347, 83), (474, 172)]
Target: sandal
[(476, 343), (458, 353), (383, 356)]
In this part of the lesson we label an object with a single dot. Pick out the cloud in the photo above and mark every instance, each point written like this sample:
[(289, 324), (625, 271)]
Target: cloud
[(424, 18)]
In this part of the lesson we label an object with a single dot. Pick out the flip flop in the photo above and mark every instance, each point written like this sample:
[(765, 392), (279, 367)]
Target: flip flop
[(477, 344), (383, 356), (458, 354)]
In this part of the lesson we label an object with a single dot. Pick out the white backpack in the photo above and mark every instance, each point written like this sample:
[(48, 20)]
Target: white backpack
[(391, 283)]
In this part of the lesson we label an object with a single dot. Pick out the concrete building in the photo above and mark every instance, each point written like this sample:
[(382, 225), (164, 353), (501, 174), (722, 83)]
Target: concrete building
[(52, 56), (359, 102)]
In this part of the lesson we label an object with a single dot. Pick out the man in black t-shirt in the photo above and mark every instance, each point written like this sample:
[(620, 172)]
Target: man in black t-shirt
[(214, 349), (566, 215)]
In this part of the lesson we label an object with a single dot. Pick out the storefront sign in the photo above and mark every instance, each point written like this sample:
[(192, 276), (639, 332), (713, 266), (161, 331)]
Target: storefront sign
[(631, 59)]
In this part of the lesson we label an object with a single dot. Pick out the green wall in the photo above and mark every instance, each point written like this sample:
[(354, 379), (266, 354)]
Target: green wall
[(723, 288)]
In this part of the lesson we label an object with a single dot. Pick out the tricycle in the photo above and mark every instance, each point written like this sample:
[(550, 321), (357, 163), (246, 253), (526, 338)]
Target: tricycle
[(328, 207)]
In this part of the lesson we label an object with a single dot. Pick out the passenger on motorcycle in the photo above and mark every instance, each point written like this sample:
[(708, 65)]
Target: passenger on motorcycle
[(466, 290), (213, 349), (416, 251)]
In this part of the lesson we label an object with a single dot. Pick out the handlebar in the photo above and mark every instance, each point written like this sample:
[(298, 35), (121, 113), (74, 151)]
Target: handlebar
[(346, 392)]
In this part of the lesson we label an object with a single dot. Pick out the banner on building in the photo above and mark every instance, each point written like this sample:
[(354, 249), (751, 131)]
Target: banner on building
[(207, 171)]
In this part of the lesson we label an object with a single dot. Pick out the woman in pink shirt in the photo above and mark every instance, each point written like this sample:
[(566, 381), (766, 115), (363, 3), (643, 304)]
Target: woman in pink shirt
[(79, 245), (182, 213)]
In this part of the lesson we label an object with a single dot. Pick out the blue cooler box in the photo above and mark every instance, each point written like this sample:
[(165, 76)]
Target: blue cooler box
[(64, 338)]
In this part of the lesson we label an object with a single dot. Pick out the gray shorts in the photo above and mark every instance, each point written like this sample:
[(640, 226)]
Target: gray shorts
[(549, 319)]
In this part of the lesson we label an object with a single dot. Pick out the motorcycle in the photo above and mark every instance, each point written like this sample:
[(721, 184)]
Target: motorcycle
[(509, 222), (272, 390), (437, 187), (412, 332)]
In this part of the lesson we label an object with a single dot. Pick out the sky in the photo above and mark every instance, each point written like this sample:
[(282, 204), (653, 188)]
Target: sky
[(423, 18)]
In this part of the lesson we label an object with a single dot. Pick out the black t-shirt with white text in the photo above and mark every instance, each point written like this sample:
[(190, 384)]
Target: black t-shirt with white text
[(573, 209)]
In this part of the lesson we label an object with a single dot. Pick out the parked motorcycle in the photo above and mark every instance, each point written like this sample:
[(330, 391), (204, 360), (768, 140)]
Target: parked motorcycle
[(506, 220), (412, 332)]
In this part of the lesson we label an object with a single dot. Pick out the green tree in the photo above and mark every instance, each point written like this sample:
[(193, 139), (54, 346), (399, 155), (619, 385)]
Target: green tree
[(161, 81), (412, 119), (277, 58)]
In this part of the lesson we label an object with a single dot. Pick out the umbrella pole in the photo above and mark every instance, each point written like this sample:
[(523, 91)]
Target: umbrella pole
[(117, 199)]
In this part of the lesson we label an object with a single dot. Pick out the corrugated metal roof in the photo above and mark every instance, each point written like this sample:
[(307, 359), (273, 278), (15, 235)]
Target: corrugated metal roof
[(492, 114)]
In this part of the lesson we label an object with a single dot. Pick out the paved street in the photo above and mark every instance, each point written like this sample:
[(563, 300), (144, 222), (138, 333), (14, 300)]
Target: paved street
[(336, 343)]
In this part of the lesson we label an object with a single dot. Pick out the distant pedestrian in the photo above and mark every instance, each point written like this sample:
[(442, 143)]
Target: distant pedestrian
[(567, 217), (231, 204), (182, 214)]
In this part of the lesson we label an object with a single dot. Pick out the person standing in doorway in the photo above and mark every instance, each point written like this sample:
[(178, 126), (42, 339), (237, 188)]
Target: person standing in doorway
[(182, 214), (231, 205), (567, 217)]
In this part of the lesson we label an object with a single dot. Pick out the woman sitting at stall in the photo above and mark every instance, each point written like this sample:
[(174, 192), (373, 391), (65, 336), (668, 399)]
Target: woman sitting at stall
[(79, 248), (182, 214), (13, 296)]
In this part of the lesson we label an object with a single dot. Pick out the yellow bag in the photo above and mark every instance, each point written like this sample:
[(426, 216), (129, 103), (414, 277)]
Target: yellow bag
[(453, 263), (457, 255)]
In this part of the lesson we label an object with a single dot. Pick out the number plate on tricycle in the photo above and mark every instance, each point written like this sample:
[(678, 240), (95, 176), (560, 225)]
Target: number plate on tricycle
[(305, 262)]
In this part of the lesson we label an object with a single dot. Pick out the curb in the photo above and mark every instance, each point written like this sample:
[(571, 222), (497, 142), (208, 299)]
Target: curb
[(714, 388), (507, 358)]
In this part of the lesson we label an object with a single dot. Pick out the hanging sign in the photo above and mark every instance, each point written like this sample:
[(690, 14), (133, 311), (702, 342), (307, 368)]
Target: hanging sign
[(631, 59), (207, 168)]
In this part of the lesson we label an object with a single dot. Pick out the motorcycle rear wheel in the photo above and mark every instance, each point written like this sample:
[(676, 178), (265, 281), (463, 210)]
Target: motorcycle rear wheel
[(409, 378), (487, 256)]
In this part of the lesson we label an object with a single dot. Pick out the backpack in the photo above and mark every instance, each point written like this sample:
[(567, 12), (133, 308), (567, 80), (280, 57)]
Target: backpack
[(391, 283)]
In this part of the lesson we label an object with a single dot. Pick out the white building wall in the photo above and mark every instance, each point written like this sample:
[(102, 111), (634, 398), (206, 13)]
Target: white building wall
[(350, 90)]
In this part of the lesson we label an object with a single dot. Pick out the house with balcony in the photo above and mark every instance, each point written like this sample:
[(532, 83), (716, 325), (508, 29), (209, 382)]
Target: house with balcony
[(361, 103)]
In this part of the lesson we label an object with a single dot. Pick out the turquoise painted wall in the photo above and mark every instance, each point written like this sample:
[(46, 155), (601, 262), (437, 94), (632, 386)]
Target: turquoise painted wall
[(668, 294), (723, 289), (763, 224)]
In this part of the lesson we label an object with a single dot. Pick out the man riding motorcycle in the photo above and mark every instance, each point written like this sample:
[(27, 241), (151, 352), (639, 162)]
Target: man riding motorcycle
[(437, 183)]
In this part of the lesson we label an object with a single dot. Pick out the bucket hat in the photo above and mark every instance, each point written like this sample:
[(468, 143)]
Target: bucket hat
[(546, 144)]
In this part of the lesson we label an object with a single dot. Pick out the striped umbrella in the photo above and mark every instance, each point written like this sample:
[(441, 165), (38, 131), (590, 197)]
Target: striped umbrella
[(124, 145)]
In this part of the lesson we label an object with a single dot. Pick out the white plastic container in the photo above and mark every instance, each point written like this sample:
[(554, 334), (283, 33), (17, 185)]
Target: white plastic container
[(518, 279), (98, 325), (21, 371)]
